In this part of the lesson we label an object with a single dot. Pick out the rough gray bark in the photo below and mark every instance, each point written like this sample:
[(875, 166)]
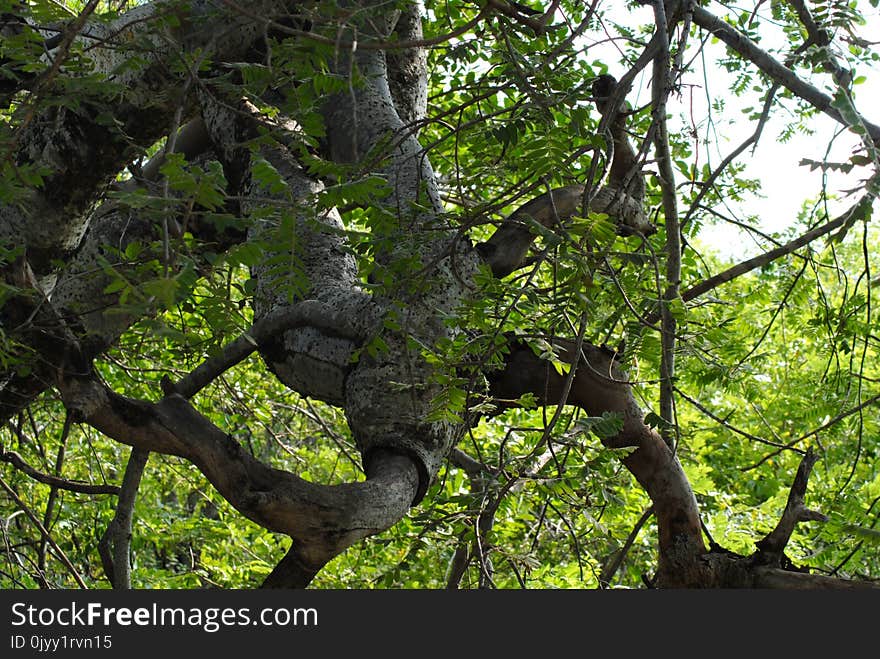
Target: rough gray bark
[(383, 417), (83, 154), (407, 68)]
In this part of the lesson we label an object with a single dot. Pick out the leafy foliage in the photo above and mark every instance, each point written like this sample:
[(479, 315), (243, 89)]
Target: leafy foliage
[(778, 360)]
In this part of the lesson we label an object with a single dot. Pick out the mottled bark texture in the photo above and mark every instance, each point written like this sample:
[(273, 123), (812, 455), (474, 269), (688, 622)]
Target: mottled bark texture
[(80, 318), (390, 394), (78, 151)]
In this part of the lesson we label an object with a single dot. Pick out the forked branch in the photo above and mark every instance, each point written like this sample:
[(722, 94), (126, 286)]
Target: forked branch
[(771, 547)]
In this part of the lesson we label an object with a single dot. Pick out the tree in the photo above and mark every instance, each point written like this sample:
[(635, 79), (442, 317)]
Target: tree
[(461, 247)]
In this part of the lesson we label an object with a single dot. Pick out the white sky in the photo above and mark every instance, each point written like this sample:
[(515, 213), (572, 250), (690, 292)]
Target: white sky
[(786, 184)]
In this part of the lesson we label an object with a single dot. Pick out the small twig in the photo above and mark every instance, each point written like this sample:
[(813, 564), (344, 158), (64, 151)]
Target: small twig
[(819, 37), (524, 15), (733, 155), (459, 563), (53, 492), (731, 427), (857, 548), (816, 431)]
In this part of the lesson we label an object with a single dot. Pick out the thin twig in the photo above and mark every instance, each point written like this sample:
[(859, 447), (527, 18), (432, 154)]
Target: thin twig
[(13, 458), (816, 431), (729, 426), (617, 557), (795, 511), (44, 533)]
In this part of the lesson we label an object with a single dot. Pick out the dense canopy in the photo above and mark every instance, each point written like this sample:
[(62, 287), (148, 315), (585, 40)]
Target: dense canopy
[(460, 293)]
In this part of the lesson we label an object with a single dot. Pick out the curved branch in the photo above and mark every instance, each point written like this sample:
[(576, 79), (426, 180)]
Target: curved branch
[(323, 520), (309, 313), (19, 463), (506, 249), (600, 387)]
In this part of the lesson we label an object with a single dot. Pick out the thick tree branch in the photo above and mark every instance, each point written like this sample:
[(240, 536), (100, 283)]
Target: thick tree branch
[(507, 248), (768, 577), (772, 546), (114, 547), (309, 313), (364, 127), (192, 141), (407, 67), (599, 387)]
